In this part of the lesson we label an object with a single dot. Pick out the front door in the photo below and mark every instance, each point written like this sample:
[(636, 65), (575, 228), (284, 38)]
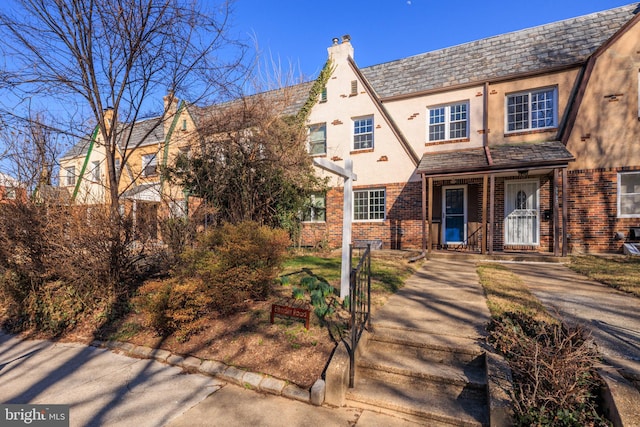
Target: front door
[(521, 213), (454, 218)]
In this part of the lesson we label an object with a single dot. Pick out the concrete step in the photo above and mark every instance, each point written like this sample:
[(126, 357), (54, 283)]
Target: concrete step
[(404, 367), (425, 345), (436, 404)]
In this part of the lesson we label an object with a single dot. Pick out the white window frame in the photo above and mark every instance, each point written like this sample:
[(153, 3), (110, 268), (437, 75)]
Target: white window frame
[(317, 202), (149, 160), (621, 195), (312, 143), (371, 194), (448, 120), (529, 125), (363, 129), (95, 171), (70, 175)]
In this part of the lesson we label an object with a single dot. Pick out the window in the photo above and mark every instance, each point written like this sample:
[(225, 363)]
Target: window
[(149, 165), (323, 95), (10, 193), (449, 122), (531, 110), (363, 133), (369, 205), (629, 195), (318, 139), (184, 124), (117, 165), (71, 175), (316, 209), (95, 171)]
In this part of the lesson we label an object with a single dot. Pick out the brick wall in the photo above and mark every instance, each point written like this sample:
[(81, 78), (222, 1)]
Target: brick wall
[(593, 211), (402, 228)]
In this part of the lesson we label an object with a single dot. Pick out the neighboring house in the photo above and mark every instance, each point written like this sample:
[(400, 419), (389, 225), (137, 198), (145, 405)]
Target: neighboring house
[(526, 141), (11, 190), (147, 145)]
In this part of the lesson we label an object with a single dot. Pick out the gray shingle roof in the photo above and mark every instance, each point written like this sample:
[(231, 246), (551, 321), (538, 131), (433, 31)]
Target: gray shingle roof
[(545, 47), (148, 131), (504, 156)]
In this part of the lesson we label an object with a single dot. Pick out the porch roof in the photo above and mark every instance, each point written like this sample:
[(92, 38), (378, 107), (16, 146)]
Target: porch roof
[(496, 158)]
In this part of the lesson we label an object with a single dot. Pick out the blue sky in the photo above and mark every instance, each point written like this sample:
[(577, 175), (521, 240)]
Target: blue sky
[(297, 32)]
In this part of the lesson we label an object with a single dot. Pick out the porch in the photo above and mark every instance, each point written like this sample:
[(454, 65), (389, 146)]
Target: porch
[(504, 199)]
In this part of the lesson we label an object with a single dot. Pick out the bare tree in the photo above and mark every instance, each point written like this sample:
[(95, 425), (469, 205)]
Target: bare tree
[(112, 58), (106, 54)]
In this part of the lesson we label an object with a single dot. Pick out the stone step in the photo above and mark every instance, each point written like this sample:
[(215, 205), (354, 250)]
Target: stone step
[(436, 404), (409, 368)]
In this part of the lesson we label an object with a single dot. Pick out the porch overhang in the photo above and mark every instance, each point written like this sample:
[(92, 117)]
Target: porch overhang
[(144, 193), (503, 158)]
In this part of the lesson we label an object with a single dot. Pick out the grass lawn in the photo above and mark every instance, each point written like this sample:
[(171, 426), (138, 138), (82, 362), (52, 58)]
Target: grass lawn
[(506, 293), (620, 272)]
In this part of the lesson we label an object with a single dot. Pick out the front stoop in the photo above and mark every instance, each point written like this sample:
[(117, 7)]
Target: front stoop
[(435, 380)]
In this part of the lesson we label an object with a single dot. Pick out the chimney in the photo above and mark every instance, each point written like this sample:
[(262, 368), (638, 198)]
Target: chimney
[(340, 49), (108, 117), (170, 103)]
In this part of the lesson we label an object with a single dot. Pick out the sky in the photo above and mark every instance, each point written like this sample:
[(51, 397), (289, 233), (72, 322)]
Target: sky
[(296, 33)]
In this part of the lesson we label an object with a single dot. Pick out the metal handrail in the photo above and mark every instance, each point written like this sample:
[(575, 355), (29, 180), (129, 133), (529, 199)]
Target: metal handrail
[(359, 305)]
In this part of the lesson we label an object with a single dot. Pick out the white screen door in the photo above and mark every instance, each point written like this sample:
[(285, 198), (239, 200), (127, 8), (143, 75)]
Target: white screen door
[(521, 213)]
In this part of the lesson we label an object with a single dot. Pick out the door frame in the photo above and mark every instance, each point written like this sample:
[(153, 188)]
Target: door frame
[(444, 212), (536, 208)]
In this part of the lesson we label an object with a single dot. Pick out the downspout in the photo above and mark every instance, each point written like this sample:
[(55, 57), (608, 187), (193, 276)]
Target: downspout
[(86, 162)]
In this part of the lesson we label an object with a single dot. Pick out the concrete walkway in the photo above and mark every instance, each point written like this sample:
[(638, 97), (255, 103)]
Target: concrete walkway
[(613, 317), (443, 298)]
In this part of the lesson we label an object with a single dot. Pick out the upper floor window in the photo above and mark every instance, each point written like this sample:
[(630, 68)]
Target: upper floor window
[(95, 171), (532, 110), (449, 122), (149, 165), (323, 95), (318, 139), (369, 205), (629, 195), (316, 208), (363, 133), (71, 175)]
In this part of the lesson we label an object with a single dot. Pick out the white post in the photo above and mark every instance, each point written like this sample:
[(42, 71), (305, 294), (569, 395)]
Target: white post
[(347, 215)]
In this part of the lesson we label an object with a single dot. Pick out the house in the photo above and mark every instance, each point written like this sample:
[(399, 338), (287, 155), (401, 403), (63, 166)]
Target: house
[(526, 141), (11, 190), (147, 145)]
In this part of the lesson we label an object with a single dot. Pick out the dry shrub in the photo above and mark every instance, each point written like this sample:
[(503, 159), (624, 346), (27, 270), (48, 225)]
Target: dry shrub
[(60, 265), (228, 266), (553, 371)]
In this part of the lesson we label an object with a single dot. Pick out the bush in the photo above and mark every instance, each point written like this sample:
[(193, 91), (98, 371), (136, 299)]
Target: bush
[(553, 371), (228, 266), (61, 265)]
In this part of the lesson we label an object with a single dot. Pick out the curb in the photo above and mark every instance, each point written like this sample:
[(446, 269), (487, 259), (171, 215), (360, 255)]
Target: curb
[(250, 380)]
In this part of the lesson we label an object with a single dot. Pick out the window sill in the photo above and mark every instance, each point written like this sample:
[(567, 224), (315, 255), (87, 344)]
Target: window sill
[(530, 132), (319, 155), (446, 141), (377, 221), (364, 150)]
